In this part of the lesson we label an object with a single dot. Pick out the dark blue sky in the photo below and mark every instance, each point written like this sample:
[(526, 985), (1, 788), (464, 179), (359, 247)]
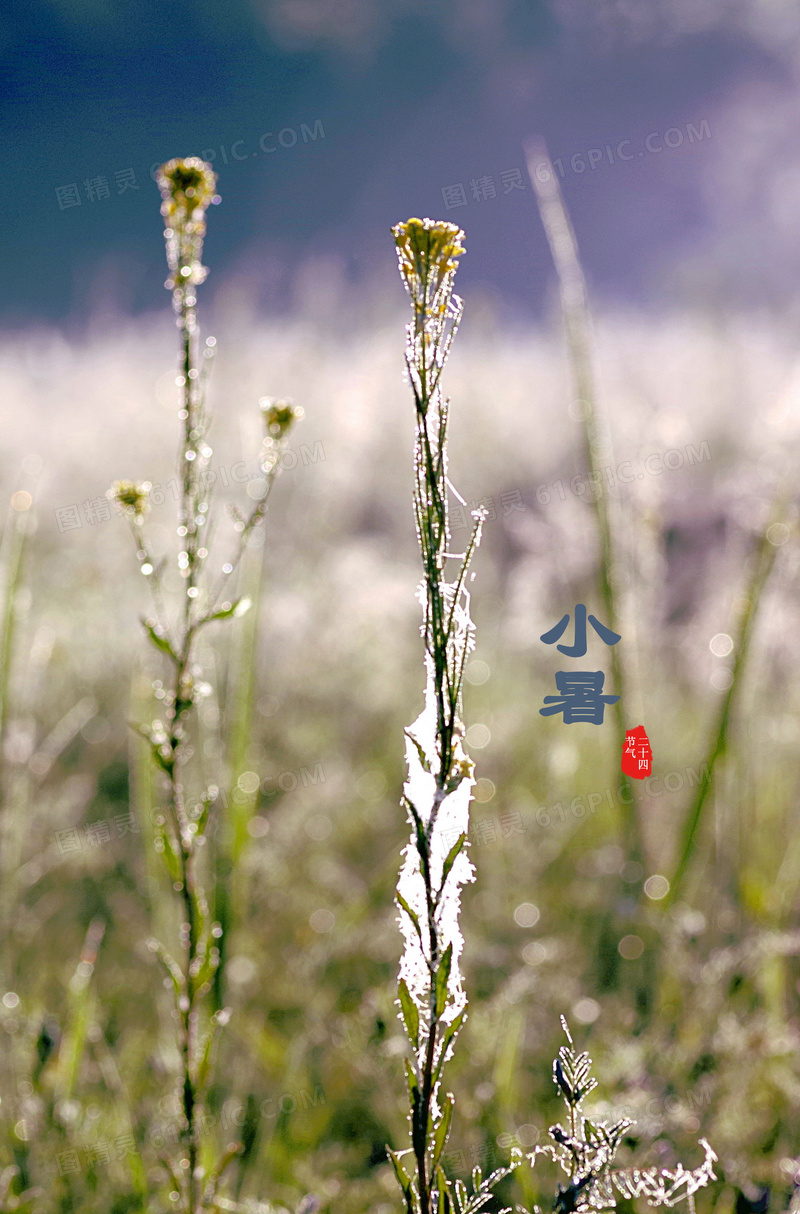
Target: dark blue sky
[(403, 102)]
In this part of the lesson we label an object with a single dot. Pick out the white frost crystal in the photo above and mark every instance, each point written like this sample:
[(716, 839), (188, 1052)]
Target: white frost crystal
[(452, 820)]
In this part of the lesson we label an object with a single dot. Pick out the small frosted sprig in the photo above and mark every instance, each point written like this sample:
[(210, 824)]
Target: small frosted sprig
[(587, 1149)]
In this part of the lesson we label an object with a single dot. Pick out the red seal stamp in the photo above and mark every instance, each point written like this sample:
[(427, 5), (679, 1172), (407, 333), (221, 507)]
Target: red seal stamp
[(637, 757)]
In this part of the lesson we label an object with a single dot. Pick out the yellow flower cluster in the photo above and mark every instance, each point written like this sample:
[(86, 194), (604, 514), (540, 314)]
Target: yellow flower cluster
[(428, 252), (279, 416), (131, 495), (187, 187)]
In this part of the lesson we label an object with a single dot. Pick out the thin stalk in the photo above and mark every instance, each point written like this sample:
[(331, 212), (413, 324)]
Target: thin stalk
[(16, 531), (233, 836), (577, 323), (762, 565), (14, 545), (178, 707)]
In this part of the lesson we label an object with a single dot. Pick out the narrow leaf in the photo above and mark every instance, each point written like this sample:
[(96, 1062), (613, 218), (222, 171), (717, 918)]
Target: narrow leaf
[(445, 1203), (423, 758), (443, 1129), (410, 1013), (232, 609), (449, 1034), (413, 916), (160, 642), (402, 1178), (442, 978), (451, 859), (169, 965), (413, 1086)]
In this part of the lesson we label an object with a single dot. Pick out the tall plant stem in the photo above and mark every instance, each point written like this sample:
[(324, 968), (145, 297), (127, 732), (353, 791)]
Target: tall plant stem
[(191, 900), (437, 791), (187, 189)]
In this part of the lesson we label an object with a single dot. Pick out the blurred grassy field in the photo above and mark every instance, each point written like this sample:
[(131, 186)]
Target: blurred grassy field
[(700, 1037)]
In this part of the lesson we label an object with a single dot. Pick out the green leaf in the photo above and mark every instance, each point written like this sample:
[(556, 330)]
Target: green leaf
[(205, 1057), (445, 1204), (167, 851), (160, 642), (423, 758), (451, 858), (402, 1179), (413, 916), (166, 764), (169, 965), (422, 843), (449, 1033), (442, 978), (443, 1129), (233, 609), (453, 1028), (413, 1086), (218, 1022), (410, 1013), (414, 813)]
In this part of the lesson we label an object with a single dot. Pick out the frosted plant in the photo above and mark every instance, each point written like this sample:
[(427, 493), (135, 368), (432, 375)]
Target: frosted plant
[(437, 790), (585, 1151), (187, 188)]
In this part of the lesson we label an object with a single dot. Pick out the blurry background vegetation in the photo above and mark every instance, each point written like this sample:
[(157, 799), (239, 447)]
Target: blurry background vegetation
[(705, 1041)]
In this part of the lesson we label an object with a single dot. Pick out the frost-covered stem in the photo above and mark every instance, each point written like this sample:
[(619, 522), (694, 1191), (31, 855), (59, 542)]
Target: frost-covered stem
[(421, 1138), (440, 774), (431, 508)]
